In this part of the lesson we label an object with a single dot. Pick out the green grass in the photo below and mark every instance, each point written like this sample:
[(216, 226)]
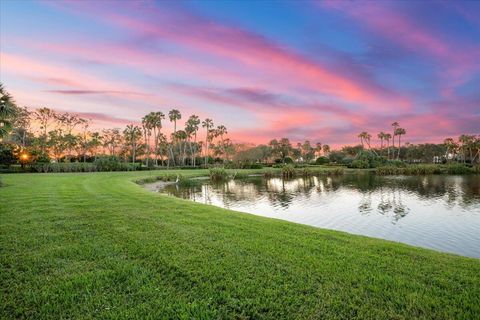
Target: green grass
[(99, 246)]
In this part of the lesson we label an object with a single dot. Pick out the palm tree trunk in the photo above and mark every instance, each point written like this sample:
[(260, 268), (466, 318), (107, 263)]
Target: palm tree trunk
[(399, 145), (133, 156)]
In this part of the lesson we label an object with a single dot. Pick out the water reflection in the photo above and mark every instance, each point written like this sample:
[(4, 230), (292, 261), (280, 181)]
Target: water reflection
[(433, 207)]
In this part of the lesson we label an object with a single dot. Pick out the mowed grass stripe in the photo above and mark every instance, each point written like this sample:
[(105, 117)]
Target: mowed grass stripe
[(99, 246)]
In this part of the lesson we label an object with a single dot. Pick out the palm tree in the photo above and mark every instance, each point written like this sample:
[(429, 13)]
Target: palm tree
[(147, 126), (132, 136), (174, 115), (395, 125), (156, 124), (399, 132), (387, 137), (8, 110), (207, 124), (360, 136), (381, 136), (221, 132), (192, 128), (365, 137)]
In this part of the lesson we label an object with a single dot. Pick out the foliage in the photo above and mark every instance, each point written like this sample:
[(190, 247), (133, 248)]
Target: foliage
[(218, 174), (322, 160), (288, 160), (424, 169), (359, 164), (8, 154), (288, 171), (111, 163)]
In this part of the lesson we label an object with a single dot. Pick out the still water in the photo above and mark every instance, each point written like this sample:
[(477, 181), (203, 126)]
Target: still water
[(438, 212)]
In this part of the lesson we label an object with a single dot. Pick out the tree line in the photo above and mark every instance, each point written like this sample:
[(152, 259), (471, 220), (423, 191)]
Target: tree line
[(45, 135)]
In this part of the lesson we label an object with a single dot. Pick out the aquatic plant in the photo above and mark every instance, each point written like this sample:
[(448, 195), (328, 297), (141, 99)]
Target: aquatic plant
[(218, 174), (288, 171)]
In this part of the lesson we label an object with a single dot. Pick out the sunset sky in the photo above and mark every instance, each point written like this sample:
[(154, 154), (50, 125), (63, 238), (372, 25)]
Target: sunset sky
[(322, 71)]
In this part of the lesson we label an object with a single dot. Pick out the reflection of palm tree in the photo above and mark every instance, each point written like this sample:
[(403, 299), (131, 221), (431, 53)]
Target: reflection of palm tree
[(365, 205), (385, 205), (400, 210)]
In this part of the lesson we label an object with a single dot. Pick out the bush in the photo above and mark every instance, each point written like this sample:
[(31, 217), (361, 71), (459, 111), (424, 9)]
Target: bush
[(360, 164), (64, 167), (459, 169), (8, 154), (396, 163), (218, 174), (109, 163), (288, 160), (322, 160), (424, 169), (240, 165)]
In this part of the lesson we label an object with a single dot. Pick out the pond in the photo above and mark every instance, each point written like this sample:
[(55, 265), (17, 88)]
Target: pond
[(437, 212)]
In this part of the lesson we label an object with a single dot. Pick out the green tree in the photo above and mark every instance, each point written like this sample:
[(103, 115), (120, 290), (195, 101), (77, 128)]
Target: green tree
[(132, 135), (399, 132), (207, 124), (8, 111)]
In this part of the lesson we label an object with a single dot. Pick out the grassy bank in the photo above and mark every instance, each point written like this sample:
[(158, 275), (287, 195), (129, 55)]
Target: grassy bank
[(97, 245)]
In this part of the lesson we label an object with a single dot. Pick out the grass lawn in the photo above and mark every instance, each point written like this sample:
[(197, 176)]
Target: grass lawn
[(96, 245)]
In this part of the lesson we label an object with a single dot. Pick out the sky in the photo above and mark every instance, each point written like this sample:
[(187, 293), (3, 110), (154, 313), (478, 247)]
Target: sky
[(317, 70)]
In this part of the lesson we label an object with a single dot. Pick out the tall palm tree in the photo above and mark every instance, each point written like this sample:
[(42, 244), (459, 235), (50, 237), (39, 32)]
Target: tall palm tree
[(207, 124), (132, 135), (221, 132), (387, 138), (381, 136), (174, 115), (395, 125), (361, 136), (399, 132), (156, 123), (365, 138), (192, 128), (147, 126)]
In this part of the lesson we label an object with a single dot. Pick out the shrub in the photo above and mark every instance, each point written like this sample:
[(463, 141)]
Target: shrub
[(337, 156), (322, 160), (218, 174), (64, 167), (243, 165), (288, 160), (396, 163), (459, 169), (360, 164), (108, 163)]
